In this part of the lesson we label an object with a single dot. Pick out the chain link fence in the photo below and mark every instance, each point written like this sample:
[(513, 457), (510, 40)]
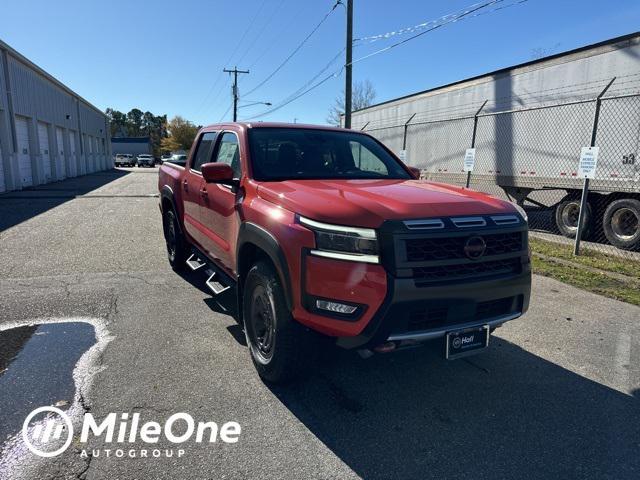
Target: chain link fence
[(530, 156)]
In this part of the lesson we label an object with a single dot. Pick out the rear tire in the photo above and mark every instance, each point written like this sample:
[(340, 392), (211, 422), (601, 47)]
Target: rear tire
[(177, 246), (567, 214), (621, 223), (281, 349)]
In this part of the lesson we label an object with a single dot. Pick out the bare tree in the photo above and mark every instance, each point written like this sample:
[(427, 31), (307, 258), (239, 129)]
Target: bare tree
[(363, 95)]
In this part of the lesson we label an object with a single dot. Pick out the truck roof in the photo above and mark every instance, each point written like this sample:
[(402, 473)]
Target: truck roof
[(280, 125)]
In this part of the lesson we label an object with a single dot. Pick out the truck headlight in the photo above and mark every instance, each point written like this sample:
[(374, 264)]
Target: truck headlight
[(343, 243)]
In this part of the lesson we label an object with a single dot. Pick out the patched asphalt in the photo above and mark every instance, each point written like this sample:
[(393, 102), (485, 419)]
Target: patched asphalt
[(556, 396)]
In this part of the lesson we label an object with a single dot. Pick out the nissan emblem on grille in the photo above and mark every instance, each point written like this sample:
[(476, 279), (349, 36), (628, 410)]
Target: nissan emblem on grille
[(475, 247)]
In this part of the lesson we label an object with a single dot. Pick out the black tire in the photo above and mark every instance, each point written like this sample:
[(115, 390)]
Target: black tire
[(281, 349), (177, 246), (621, 223), (567, 212)]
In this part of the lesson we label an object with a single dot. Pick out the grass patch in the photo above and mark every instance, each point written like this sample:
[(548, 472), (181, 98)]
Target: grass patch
[(588, 280), (587, 257)]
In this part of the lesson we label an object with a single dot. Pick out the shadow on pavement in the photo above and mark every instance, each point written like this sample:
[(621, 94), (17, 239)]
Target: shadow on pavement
[(504, 414), (19, 206)]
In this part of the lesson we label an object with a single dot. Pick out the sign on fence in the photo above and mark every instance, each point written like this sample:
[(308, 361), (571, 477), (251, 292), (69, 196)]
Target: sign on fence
[(403, 156), (469, 159), (588, 162)]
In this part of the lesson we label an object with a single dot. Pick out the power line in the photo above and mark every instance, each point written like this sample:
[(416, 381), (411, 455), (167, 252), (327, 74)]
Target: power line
[(219, 77), (264, 26), (269, 44), (296, 50), (450, 19), (420, 26), (303, 89)]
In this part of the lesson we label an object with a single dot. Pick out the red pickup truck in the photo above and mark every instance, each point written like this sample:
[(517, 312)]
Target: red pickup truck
[(323, 233)]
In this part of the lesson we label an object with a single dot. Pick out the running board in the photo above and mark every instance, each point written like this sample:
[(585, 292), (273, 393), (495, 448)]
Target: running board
[(194, 262), (216, 286)]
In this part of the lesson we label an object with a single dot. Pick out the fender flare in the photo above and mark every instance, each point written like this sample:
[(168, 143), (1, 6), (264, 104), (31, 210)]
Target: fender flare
[(166, 193), (250, 233)]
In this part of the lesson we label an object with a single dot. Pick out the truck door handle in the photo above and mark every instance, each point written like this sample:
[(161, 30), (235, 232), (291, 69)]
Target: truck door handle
[(185, 185), (203, 193)]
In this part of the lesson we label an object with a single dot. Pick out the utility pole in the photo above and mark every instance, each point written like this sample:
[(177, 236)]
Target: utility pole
[(348, 82), (235, 72)]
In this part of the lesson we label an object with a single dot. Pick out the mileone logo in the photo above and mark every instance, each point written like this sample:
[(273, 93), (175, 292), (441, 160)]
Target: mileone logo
[(56, 430)]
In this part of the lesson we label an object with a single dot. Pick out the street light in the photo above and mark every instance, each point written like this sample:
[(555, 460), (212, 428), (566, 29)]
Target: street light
[(268, 104)]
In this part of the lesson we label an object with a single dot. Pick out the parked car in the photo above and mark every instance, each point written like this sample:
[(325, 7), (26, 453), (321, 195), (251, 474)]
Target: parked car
[(321, 233), (145, 160), (177, 159), (124, 160)]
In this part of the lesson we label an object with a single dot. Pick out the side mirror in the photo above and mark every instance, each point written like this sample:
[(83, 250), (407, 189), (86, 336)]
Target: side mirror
[(416, 172), (217, 173)]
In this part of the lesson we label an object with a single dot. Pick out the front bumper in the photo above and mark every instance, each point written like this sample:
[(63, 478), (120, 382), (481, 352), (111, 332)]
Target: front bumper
[(423, 313)]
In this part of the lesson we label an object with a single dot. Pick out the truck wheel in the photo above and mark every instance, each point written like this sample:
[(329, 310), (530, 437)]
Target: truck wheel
[(567, 214), (281, 349), (176, 245), (621, 223)]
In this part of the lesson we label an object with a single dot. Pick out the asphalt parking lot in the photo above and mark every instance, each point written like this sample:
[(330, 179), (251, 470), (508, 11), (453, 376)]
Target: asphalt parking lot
[(556, 396)]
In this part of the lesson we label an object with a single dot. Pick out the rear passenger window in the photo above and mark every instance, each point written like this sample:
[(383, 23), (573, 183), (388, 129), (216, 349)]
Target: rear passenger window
[(203, 151), (229, 152)]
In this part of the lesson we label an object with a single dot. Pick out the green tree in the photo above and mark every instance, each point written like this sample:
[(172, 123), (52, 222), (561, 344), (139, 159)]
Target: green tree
[(181, 132)]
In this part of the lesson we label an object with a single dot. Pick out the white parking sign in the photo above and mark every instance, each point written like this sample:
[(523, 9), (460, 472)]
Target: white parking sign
[(469, 159), (588, 162)]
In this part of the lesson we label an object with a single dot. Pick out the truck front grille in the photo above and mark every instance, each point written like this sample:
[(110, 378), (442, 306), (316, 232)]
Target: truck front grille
[(424, 276), (452, 248), (436, 316)]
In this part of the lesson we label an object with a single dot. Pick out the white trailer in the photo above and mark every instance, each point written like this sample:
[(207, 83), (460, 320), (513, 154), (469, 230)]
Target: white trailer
[(534, 120)]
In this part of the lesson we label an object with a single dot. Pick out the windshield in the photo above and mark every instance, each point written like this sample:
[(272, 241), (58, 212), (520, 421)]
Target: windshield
[(297, 154)]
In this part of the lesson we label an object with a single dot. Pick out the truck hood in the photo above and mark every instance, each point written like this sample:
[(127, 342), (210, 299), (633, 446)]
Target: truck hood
[(368, 203)]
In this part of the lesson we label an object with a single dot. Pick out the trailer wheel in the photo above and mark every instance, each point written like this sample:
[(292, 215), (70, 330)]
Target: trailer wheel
[(567, 215), (621, 223)]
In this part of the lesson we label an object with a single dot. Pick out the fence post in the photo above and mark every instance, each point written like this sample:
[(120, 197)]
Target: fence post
[(585, 187), (406, 127), (473, 138)]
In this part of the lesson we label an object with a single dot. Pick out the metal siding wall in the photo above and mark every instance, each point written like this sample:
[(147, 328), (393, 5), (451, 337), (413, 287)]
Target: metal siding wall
[(36, 98)]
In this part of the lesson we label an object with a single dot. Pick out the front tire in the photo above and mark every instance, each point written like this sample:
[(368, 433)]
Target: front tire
[(177, 247), (281, 349)]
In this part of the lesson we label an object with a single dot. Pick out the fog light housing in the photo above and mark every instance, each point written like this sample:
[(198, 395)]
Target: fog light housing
[(336, 307)]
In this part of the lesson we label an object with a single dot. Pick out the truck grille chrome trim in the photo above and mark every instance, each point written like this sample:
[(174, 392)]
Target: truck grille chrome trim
[(469, 222), (441, 332), (505, 219), (346, 256), (431, 224)]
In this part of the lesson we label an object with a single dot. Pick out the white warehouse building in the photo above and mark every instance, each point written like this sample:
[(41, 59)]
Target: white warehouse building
[(47, 131)]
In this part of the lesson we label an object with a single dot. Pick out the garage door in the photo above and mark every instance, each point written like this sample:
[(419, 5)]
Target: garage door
[(61, 158), (43, 142), (89, 152), (24, 157), (2, 187), (71, 157)]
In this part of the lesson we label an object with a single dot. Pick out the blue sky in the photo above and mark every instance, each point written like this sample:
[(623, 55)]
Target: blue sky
[(167, 56)]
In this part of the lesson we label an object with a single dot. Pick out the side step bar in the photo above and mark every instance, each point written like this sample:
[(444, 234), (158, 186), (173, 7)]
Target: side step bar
[(215, 285), (194, 263), (217, 280)]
